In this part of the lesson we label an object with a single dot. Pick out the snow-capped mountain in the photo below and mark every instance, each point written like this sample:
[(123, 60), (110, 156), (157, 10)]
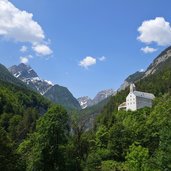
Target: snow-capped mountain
[(102, 95), (30, 77), (56, 93), (85, 102), (23, 71)]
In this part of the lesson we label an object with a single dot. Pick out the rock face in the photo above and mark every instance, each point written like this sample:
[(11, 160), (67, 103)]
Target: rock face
[(23, 71), (85, 102), (26, 74), (161, 61), (102, 95), (131, 79), (55, 93)]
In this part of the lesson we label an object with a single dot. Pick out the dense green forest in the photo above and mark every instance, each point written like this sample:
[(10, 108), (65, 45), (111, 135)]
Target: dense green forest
[(19, 110), (36, 135)]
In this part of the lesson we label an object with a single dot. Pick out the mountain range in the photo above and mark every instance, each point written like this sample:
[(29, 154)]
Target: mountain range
[(23, 75), (54, 92)]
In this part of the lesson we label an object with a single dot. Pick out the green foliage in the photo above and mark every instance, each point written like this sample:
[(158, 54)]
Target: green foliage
[(102, 137), (137, 158), (19, 110), (119, 140), (114, 146), (7, 156), (93, 162), (44, 150), (14, 126), (110, 165), (78, 145), (106, 117)]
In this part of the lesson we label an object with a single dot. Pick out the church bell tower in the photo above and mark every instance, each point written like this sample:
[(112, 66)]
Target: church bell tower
[(132, 87)]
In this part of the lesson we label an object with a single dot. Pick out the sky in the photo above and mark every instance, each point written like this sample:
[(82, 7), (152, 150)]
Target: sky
[(84, 45)]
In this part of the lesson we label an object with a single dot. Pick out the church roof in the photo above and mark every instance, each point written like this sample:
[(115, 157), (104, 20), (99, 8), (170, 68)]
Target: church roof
[(144, 95)]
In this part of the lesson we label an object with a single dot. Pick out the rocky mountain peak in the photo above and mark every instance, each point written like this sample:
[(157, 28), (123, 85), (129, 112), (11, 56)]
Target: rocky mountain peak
[(86, 101), (23, 71), (55, 93), (103, 95), (26, 74), (159, 62)]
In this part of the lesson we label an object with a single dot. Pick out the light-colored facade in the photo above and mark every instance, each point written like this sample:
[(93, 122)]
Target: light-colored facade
[(136, 100), (122, 106)]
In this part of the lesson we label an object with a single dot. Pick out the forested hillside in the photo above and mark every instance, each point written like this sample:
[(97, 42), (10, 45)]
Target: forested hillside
[(61, 95), (19, 110), (135, 141)]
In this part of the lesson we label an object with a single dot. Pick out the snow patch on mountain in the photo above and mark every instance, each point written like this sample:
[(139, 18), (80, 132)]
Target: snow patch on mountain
[(26, 74), (102, 95)]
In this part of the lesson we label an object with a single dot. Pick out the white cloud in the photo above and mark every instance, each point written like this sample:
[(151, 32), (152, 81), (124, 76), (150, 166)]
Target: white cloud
[(24, 60), (148, 49), (157, 30), (103, 58), (42, 49), (19, 25), (23, 49), (87, 61)]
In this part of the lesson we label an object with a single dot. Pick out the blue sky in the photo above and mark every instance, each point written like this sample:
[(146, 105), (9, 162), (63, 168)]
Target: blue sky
[(68, 32)]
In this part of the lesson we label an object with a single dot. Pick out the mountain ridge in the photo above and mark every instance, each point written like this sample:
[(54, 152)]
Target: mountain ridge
[(155, 66), (86, 101), (49, 90)]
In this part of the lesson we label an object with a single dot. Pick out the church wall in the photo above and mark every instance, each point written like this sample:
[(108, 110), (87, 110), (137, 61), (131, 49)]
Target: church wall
[(143, 102), (131, 102)]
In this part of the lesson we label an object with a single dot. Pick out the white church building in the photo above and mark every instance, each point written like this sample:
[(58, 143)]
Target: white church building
[(136, 100)]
